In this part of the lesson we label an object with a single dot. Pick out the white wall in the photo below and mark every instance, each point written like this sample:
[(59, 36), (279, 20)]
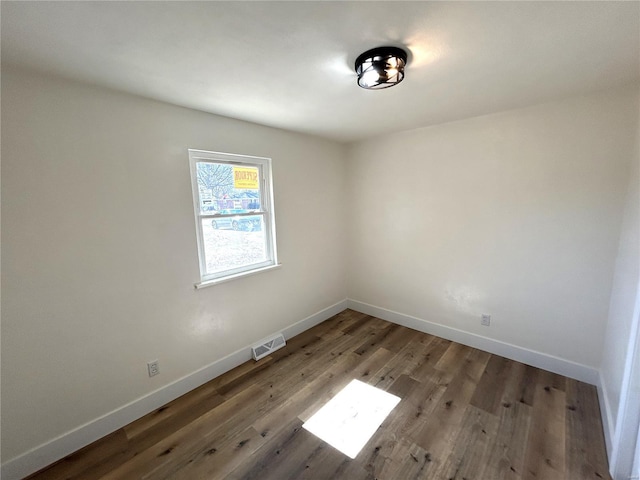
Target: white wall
[(516, 215), (622, 333), (99, 254)]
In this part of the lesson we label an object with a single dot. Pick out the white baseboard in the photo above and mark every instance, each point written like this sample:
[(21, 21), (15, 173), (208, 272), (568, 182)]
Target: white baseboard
[(608, 422), (69, 442), (530, 357), (313, 320)]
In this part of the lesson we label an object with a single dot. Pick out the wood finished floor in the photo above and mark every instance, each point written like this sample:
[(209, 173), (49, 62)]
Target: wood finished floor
[(464, 415)]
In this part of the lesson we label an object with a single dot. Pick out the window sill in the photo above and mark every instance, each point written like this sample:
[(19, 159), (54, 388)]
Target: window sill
[(216, 281)]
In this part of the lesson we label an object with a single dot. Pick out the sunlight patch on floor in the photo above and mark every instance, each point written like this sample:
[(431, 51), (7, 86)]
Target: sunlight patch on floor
[(349, 419)]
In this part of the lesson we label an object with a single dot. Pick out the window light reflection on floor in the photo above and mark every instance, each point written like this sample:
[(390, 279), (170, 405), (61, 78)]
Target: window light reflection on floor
[(349, 419)]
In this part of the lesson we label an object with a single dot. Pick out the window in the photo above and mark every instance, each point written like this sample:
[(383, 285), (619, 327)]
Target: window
[(233, 202)]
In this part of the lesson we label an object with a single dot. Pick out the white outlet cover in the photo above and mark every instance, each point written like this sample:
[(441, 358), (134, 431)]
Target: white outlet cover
[(153, 368)]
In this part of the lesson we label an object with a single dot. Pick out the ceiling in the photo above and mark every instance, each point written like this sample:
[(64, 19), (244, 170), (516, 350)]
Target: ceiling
[(290, 64)]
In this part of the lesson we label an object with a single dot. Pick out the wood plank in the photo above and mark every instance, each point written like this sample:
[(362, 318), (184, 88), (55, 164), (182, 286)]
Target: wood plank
[(177, 444), (442, 425), (488, 394), (506, 460), (361, 326), (240, 373), (417, 360), (431, 355), (305, 398), (545, 455), (404, 362), (323, 462), (453, 358), (336, 326), (348, 469), (286, 451), (552, 380), (214, 458), (521, 384), (355, 368), (375, 339), (585, 448), (419, 406), (384, 444), (397, 339), (471, 448), (410, 462), (183, 414)]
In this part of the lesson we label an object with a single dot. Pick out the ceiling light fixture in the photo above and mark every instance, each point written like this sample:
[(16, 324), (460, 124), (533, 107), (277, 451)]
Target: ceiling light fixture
[(381, 67)]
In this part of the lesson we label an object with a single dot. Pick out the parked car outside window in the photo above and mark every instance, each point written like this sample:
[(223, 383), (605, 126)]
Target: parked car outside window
[(246, 223)]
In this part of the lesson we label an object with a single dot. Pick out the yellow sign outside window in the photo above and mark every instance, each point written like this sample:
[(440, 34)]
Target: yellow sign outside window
[(245, 177)]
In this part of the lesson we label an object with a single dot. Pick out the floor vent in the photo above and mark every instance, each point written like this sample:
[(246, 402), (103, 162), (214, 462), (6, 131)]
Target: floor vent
[(267, 346)]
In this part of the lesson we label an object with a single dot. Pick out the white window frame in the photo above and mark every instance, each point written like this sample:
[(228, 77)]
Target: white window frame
[(266, 211)]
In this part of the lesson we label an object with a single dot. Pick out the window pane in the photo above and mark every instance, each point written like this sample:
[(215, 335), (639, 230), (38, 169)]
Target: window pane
[(226, 188), (234, 212), (233, 242)]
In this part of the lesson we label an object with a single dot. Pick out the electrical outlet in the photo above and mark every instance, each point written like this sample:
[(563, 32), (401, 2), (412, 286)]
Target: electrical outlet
[(485, 320), (153, 367)]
